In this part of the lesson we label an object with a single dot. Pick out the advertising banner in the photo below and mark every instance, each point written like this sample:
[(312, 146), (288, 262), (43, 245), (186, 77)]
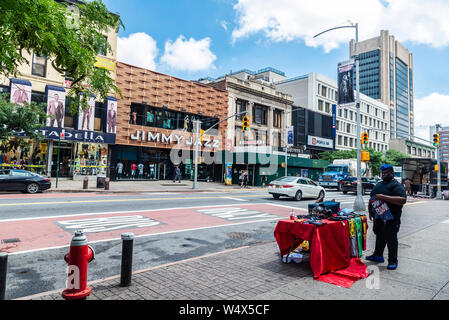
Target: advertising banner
[(320, 142), (55, 106), (86, 118), (334, 121), (20, 91), (111, 115), (290, 136), (346, 84)]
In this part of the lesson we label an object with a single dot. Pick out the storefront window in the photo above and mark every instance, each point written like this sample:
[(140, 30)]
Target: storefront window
[(28, 155), (89, 159)]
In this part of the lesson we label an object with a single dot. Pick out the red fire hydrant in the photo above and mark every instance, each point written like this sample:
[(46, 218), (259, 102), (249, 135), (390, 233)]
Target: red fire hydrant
[(80, 254)]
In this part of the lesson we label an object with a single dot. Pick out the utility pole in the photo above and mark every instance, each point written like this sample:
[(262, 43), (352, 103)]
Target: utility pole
[(197, 140), (439, 194), (359, 204)]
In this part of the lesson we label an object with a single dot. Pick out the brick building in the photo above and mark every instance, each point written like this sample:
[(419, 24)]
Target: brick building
[(155, 126)]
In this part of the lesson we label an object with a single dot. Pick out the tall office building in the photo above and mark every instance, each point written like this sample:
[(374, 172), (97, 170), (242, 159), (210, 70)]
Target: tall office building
[(386, 74)]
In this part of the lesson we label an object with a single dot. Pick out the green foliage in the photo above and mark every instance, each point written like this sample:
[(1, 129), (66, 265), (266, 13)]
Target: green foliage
[(69, 41), (377, 158), (13, 118)]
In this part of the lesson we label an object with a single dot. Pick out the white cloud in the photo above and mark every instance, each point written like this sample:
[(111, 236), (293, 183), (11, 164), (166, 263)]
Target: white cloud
[(418, 21), (189, 55), (224, 25), (429, 111), (139, 49)]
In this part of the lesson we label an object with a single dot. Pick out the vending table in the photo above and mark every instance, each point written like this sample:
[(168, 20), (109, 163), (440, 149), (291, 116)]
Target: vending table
[(330, 248)]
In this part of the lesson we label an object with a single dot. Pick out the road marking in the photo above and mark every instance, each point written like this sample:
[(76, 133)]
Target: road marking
[(111, 200), (107, 224), (447, 221), (236, 213), (237, 199)]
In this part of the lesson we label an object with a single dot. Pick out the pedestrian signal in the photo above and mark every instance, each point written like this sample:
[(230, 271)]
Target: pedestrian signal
[(436, 140), (246, 123)]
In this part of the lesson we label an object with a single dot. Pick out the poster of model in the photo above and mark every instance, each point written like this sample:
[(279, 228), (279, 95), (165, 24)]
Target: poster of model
[(86, 118), (20, 92), (346, 84), (111, 122), (55, 107)]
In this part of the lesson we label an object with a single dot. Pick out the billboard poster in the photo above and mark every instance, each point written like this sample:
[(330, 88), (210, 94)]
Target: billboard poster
[(228, 174), (346, 84), (334, 121), (55, 106), (111, 116), (20, 91), (290, 136), (86, 118)]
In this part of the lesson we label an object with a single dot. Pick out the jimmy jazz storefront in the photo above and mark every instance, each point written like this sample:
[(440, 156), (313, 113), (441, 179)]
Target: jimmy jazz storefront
[(164, 152)]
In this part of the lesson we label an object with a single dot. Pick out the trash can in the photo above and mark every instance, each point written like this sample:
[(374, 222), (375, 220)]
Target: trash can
[(101, 181)]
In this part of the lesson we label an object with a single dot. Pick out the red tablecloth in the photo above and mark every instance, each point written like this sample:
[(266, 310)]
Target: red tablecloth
[(329, 243)]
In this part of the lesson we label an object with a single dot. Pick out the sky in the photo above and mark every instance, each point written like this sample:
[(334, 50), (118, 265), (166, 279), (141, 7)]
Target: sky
[(192, 39)]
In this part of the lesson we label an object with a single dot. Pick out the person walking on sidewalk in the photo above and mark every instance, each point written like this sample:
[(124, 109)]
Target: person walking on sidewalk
[(387, 199), (241, 178), (245, 179), (177, 175)]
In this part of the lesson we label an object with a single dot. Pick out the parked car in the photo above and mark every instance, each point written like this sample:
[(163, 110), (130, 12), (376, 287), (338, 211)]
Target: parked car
[(23, 180), (295, 187), (349, 184)]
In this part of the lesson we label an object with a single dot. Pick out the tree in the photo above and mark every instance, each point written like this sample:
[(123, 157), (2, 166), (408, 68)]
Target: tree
[(68, 39), (26, 119)]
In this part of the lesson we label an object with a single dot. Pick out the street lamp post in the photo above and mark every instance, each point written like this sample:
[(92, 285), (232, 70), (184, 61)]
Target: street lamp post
[(439, 195), (359, 204)]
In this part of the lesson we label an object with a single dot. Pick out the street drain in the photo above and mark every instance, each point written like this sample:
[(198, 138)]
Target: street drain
[(239, 235), (12, 240)]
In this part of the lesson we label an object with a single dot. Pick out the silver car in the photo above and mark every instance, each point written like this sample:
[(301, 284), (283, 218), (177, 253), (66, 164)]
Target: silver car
[(295, 187)]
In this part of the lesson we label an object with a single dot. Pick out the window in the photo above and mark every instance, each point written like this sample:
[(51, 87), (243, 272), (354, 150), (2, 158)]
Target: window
[(409, 150), (351, 115), (346, 141), (277, 118), (346, 113), (323, 91), (327, 107), (320, 105), (101, 48), (241, 106), (260, 114), (340, 140), (348, 128), (39, 66)]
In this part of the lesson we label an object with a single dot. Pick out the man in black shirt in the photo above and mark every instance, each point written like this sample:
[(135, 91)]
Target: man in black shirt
[(393, 194)]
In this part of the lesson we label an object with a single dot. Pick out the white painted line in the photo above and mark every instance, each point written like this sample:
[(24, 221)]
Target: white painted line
[(447, 221), (154, 234), (237, 199), (123, 212)]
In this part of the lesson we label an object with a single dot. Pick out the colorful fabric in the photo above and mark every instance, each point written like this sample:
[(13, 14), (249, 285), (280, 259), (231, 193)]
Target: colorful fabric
[(346, 277), (359, 230), (353, 238)]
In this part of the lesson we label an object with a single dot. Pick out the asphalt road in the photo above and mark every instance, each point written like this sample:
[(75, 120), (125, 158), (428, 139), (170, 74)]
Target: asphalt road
[(169, 227)]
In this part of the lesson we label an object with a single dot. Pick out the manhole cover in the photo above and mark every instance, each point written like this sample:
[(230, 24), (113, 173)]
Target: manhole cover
[(12, 240)]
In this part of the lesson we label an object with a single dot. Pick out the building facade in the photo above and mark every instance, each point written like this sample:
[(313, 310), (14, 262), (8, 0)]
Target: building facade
[(318, 93), (80, 141), (413, 148), (386, 74), (155, 126)]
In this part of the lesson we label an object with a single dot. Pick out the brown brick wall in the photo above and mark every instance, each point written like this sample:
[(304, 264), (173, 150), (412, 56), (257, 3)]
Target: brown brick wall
[(137, 84)]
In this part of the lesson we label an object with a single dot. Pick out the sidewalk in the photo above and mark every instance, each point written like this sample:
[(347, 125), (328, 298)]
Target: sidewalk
[(65, 185), (256, 272)]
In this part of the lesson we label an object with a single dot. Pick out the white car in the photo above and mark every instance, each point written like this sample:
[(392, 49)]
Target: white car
[(295, 187)]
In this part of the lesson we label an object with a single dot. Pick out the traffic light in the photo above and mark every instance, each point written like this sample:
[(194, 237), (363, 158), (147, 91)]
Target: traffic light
[(436, 168), (365, 138), (202, 135), (436, 140), (246, 123)]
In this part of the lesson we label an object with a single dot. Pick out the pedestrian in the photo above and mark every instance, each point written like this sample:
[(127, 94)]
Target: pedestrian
[(242, 176), (387, 199), (408, 186), (177, 174), (245, 179)]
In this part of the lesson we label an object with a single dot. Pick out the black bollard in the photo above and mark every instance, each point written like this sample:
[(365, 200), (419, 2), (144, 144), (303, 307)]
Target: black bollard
[(3, 270), (127, 259)]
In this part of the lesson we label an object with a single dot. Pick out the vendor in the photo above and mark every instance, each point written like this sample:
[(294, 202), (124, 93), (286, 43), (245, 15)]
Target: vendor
[(392, 193)]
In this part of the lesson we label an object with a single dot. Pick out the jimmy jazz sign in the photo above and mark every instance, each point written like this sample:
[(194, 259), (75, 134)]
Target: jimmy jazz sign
[(162, 138)]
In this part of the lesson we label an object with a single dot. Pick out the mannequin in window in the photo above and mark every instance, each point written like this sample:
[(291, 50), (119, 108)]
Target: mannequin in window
[(133, 171), (119, 170), (140, 168)]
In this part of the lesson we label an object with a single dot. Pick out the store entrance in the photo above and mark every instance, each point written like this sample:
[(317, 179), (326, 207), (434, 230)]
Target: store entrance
[(65, 158)]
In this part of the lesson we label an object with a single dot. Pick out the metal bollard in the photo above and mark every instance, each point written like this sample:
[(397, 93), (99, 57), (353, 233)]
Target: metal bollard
[(127, 259), (85, 183), (3, 271), (106, 183)]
